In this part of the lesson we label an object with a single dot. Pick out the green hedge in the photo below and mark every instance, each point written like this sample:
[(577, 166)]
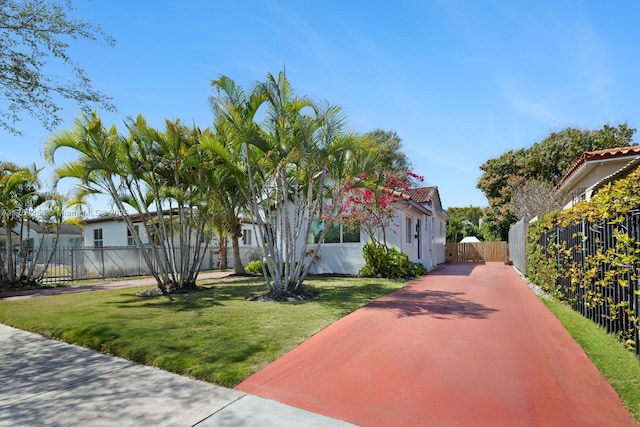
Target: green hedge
[(596, 257), (390, 263)]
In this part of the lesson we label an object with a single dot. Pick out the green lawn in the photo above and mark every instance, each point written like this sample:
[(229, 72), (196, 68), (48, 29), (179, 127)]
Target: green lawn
[(214, 335), (618, 365)]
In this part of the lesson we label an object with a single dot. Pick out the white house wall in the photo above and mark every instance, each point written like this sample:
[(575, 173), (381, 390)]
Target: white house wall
[(347, 258), (64, 240), (397, 237), (339, 258), (114, 233)]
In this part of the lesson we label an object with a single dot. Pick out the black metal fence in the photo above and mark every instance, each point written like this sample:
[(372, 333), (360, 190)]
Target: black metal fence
[(598, 271)]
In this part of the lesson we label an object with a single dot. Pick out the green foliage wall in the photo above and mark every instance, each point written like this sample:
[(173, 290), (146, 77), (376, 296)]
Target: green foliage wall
[(545, 161), (590, 256)]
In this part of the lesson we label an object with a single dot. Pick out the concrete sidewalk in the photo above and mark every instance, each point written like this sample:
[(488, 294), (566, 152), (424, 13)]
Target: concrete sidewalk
[(50, 383), (468, 345)]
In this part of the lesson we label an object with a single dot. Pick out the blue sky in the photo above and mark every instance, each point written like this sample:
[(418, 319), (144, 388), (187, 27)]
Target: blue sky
[(460, 81)]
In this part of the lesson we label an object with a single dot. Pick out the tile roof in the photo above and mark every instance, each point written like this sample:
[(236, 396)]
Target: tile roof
[(64, 229), (591, 156), (423, 194)]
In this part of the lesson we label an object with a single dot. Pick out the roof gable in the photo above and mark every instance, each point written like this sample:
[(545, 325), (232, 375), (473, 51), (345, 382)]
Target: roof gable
[(423, 194), (621, 153), (427, 195)]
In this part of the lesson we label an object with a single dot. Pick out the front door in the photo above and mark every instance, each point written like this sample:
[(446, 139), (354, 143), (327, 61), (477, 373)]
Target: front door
[(419, 237)]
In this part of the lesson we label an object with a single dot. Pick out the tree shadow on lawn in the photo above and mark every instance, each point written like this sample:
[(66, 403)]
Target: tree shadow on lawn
[(349, 298), (208, 296), (437, 304), (344, 298)]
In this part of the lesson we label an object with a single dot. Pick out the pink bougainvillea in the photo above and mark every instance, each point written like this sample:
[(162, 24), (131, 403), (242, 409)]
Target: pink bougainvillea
[(372, 208)]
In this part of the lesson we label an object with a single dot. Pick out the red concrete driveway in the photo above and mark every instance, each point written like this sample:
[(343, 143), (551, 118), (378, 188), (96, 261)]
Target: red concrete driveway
[(469, 345)]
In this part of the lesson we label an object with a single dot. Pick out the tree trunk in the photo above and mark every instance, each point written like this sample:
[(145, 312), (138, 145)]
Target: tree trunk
[(238, 268), (223, 254)]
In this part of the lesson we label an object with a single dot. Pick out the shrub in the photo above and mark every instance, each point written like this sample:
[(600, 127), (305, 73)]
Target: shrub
[(381, 261), (254, 267)]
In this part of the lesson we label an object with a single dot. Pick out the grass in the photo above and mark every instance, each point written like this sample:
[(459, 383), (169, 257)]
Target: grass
[(213, 335), (62, 284), (617, 364)]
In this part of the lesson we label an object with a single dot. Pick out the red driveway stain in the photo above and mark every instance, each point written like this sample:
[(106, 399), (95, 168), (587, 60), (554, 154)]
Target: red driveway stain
[(469, 345)]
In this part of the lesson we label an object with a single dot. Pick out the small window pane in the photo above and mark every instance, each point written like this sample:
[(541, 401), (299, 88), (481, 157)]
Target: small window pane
[(350, 234), (246, 237), (333, 235), (97, 238), (316, 231)]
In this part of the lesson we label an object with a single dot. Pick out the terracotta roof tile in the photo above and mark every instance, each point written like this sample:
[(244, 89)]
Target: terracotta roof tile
[(423, 194), (609, 153)]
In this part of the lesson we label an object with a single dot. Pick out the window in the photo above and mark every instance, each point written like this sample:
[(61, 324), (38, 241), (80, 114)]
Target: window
[(350, 234), (97, 238), (246, 237), (28, 243), (336, 234), (130, 240), (578, 195), (409, 230), (316, 231)]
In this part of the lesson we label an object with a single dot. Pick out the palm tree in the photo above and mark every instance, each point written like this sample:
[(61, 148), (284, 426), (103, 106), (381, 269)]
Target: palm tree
[(235, 128), (231, 184), (52, 217), (147, 169), (299, 158), (17, 186)]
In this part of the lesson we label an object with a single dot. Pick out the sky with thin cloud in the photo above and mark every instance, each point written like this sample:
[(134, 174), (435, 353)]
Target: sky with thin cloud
[(460, 81)]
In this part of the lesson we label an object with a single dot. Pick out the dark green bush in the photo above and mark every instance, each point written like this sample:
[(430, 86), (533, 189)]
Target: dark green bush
[(390, 263)]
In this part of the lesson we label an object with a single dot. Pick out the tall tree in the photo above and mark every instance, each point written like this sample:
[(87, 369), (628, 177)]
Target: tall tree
[(297, 162), (162, 176), (22, 204), (16, 185), (464, 222), (546, 161), (388, 145), (33, 34), (472, 214), (534, 198), (234, 112)]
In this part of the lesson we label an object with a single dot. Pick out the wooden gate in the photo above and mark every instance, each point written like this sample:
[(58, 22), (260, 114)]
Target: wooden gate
[(478, 252)]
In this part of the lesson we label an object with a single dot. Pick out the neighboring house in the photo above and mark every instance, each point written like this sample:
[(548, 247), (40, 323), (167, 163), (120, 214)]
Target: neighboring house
[(112, 231), (419, 230), (15, 238), (593, 170), (33, 234)]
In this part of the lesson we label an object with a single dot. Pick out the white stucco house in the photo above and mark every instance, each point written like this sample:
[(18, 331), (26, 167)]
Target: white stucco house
[(418, 229), (34, 234), (112, 232), (593, 170)]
